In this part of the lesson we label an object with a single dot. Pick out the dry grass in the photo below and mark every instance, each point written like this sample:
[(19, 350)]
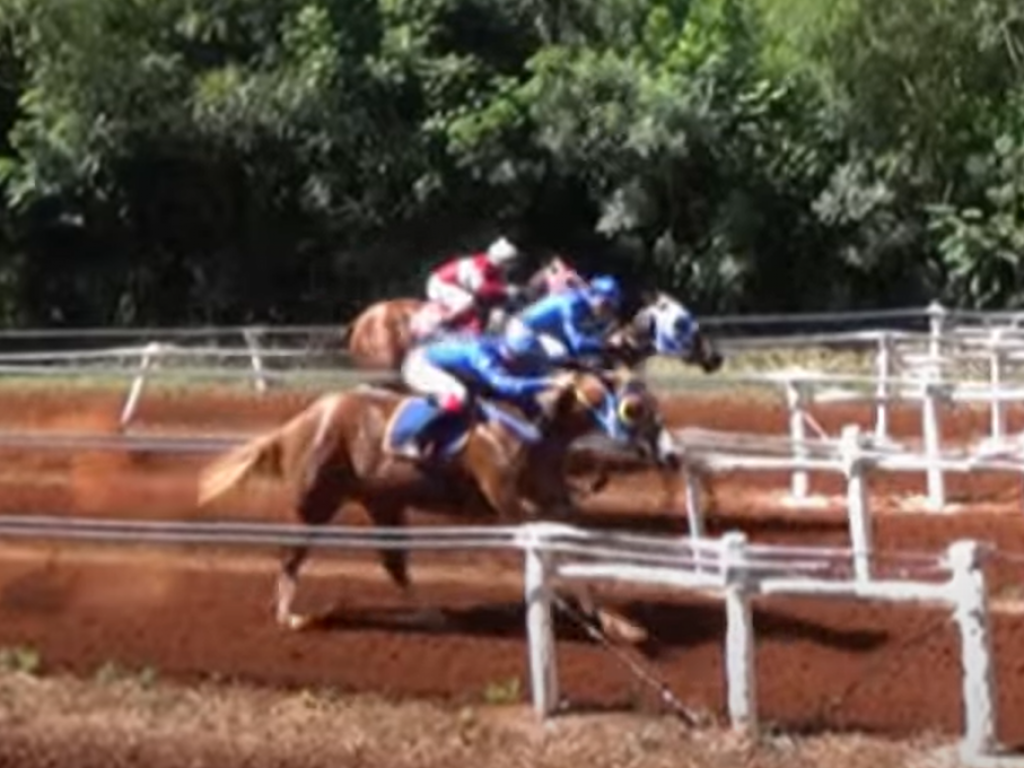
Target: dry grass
[(118, 720)]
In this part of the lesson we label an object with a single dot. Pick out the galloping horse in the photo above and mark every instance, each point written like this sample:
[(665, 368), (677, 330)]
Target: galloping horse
[(384, 332), (343, 447), (638, 340)]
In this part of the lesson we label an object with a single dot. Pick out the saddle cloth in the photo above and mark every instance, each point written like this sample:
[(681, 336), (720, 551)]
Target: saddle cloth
[(446, 433), (405, 435)]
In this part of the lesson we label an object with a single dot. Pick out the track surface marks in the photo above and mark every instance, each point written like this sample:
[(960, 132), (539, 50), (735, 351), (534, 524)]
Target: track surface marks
[(820, 663)]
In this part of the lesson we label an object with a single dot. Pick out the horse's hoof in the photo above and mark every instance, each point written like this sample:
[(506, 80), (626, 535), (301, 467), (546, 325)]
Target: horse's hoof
[(430, 618), (297, 622), (622, 630)]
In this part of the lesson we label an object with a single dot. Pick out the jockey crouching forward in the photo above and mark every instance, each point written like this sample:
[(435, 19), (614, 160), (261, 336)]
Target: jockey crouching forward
[(452, 371), (468, 286), (566, 326)]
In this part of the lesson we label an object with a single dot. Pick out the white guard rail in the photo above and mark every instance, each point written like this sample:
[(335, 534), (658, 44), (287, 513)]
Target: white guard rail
[(555, 553)]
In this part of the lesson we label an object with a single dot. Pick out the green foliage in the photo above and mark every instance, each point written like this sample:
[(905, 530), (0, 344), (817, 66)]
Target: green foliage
[(22, 660), (171, 161), (503, 692)]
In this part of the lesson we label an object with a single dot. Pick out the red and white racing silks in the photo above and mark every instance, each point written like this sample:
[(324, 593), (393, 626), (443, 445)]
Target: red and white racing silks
[(476, 275), (466, 284)]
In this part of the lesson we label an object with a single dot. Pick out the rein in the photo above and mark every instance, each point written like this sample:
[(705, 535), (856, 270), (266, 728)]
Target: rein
[(601, 414)]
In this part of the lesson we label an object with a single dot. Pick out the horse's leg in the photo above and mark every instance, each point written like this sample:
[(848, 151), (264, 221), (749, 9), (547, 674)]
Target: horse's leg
[(705, 479), (500, 488), (545, 478), (287, 581), (326, 489), (396, 563), (613, 624)]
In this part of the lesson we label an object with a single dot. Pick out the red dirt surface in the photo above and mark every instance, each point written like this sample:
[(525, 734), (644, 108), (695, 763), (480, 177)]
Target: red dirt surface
[(821, 664)]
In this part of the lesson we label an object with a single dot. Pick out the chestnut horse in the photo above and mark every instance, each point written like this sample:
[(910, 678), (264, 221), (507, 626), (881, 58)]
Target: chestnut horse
[(382, 334), (336, 451)]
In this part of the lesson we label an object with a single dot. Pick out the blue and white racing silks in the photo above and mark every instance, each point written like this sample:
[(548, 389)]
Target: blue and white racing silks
[(481, 364), (557, 328)]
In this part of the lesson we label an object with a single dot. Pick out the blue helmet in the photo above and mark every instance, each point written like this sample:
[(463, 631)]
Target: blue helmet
[(606, 288)]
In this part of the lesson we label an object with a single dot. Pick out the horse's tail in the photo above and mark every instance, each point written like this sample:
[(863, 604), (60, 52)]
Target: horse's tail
[(281, 454), (260, 455)]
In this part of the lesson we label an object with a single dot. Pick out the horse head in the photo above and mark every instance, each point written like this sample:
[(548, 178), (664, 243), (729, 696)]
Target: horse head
[(664, 326), (618, 404)]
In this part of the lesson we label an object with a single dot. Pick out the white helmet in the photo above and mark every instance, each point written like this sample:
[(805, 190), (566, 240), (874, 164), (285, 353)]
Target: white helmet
[(501, 252)]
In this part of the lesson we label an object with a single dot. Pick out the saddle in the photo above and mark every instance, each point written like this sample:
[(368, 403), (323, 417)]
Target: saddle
[(421, 431)]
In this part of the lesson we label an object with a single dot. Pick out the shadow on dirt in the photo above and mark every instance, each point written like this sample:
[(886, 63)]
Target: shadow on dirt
[(677, 626)]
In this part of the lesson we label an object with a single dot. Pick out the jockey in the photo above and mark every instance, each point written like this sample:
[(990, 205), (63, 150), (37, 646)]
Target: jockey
[(466, 284), (559, 276), (567, 325), (452, 371)]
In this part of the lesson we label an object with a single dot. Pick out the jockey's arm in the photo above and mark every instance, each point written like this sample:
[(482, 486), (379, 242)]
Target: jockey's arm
[(485, 282), (506, 385), (492, 291), (576, 315)]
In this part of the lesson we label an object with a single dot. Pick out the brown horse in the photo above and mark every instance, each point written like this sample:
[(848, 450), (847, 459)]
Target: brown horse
[(382, 334), (335, 451)]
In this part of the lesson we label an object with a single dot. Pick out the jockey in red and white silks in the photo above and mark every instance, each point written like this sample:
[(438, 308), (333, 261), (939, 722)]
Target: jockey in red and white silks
[(466, 284)]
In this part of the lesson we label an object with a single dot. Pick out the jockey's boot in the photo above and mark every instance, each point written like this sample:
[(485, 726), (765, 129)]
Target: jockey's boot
[(450, 408)]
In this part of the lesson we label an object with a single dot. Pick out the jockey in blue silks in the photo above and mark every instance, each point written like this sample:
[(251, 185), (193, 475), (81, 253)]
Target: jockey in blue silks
[(565, 326), (453, 370)]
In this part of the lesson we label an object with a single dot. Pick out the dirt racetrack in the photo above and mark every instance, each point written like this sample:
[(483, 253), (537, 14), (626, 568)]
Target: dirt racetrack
[(198, 613)]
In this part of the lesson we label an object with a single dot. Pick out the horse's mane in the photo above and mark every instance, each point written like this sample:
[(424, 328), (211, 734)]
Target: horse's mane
[(385, 387)]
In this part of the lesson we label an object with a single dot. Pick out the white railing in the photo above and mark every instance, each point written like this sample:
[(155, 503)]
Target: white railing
[(555, 554), (898, 368), (852, 456), (738, 572)]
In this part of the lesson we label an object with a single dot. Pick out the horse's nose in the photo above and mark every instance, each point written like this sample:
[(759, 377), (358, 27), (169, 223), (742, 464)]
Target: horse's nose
[(714, 362)]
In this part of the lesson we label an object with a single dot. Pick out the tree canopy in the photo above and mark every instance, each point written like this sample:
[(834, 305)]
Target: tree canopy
[(171, 161)]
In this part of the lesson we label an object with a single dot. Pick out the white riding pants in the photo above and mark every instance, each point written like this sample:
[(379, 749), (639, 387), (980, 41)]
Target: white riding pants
[(452, 297), (422, 376)]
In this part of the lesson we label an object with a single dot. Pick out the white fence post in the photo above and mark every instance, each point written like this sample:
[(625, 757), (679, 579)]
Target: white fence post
[(937, 315), (149, 353), (852, 445), (884, 369), (979, 685), (740, 661), (796, 401), (252, 336), (935, 392), (540, 629), (694, 513), (997, 409)]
